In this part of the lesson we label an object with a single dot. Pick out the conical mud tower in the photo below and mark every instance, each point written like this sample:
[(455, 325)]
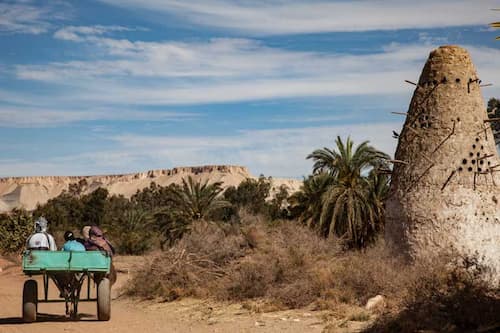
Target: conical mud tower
[(445, 189)]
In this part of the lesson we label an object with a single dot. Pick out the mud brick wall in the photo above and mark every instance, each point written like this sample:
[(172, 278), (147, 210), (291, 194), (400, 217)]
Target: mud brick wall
[(445, 192)]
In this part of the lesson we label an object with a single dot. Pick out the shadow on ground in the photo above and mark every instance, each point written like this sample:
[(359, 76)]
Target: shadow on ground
[(46, 317)]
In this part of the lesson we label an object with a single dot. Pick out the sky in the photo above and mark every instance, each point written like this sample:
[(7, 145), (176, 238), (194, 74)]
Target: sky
[(119, 86)]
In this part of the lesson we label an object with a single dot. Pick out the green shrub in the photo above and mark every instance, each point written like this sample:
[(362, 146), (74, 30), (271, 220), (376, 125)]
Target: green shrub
[(15, 228)]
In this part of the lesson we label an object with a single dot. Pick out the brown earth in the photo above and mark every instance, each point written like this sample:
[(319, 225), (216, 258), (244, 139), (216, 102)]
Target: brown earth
[(129, 315)]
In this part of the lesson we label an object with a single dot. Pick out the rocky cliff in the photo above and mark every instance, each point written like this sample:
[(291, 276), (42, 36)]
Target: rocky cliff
[(27, 192)]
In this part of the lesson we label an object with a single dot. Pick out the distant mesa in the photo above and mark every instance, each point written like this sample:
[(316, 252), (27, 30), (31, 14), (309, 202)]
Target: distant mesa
[(28, 192)]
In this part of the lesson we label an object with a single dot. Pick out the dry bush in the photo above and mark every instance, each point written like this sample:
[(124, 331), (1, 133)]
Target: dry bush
[(284, 262), (189, 267), (445, 296), (238, 262), (287, 265)]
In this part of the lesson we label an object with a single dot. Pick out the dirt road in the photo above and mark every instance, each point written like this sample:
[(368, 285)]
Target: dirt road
[(141, 317)]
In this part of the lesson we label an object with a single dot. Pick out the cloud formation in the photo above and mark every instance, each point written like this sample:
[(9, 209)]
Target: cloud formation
[(26, 117), (279, 152), (275, 17), (26, 17), (231, 70), (82, 33)]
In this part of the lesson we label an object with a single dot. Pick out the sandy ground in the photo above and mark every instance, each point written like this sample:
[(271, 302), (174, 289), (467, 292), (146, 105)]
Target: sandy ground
[(136, 316)]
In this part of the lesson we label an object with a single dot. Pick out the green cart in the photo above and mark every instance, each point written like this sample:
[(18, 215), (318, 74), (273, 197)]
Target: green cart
[(68, 271)]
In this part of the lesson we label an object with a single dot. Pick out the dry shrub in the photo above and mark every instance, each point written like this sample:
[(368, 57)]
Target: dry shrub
[(189, 267), (445, 296), (239, 262), (287, 265)]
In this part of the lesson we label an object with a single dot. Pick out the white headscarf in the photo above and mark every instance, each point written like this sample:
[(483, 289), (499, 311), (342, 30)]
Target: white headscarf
[(41, 225)]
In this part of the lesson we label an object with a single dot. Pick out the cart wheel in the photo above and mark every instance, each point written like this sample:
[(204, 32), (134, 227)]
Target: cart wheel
[(30, 301), (104, 300)]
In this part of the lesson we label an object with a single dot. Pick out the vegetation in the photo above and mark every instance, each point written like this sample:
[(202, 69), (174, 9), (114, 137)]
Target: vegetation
[(345, 196), (495, 25), (258, 245), (198, 200), (15, 228), (493, 110), (261, 265)]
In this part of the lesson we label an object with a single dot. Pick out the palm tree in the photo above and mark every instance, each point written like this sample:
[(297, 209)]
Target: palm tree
[(134, 230), (495, 25), (198, 200), (348, 207), (306, 203)]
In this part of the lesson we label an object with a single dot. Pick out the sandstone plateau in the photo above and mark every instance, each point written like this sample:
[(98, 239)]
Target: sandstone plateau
[(28, 192)]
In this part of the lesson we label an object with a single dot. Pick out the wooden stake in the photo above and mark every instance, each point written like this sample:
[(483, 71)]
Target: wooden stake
[(492, 178), (408, 81), (446, 138), (400, 113), (398, 161), (448, 180), (491, 120), (413, 130), (486, 85), (427, 158), (485, 156)]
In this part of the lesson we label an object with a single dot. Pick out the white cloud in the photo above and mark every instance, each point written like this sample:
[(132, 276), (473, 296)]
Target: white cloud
[(225, 70), (276, 152), (312, 16), (82, 33), (28, 18), (232, 70), (25, 117)]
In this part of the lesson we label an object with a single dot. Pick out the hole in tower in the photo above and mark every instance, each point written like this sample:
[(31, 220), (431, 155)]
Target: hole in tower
[(443, 80), (457, 80), (469, 169), (481, 162), (473, 146), (471, 154), (477, 139), (473, 161), (458, 119), (460, 169), (464, 161), (478, 154), (479, 169), (482, 147), (435, 82)]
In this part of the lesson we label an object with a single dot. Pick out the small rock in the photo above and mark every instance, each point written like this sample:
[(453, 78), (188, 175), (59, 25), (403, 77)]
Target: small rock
[(377, 302), (259, 323), (1, 269)]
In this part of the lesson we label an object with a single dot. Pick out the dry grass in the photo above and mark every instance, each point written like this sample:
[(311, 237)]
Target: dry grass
[(445, 298), (286, 265)]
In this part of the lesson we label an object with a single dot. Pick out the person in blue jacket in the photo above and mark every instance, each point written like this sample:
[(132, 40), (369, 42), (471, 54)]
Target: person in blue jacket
[(65, 280), (71, 243)]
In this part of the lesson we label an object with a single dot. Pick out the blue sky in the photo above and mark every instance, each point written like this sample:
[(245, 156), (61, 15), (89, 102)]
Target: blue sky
[(114, 86)]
